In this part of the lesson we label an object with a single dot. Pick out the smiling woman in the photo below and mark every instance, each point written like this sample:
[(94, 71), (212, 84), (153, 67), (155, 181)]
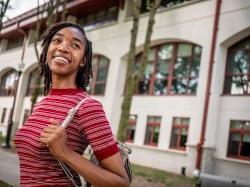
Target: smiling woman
[(65, 65)]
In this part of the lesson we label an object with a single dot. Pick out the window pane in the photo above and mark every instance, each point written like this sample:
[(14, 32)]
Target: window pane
[(151, 119), (183, 137), (246, 125), (99, 89), (174, 137), (179, 86), (8, 83), (197, 51), (234, 142), (131, 127), (161, 75), (185, 121), (102, 74), (162, 69), (144, 84), (130, 133), (195, 67), (15, 42), (237, 84), (148, 135), (184, 50), (154, 119), (245, 149), (156, 135), (90, 19), (182, 67), (160, 87), (100, 66), (100, 16), (165, 52), (238, 62), (94, 61), (33, 83), (112, 14), (235, 124), (103, 62)]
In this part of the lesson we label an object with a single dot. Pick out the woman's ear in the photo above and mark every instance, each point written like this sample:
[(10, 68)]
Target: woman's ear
[(82, 63)]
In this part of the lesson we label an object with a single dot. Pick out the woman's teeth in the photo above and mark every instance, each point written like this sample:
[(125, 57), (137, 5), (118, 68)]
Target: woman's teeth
[(61, 60)]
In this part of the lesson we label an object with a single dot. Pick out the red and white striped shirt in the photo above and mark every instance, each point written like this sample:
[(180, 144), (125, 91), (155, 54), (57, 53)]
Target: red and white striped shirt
[(38, 168)]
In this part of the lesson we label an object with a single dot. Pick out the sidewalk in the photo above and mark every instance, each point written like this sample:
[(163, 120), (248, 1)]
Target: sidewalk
[(9, 167)]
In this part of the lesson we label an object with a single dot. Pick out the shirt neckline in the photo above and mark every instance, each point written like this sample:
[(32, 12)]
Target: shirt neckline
[(64, 91)]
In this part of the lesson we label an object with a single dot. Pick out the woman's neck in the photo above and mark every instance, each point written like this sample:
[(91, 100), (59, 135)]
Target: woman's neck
[(62, 83)]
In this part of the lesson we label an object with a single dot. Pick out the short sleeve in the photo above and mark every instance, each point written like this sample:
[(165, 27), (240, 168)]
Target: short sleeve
[(96, 128)]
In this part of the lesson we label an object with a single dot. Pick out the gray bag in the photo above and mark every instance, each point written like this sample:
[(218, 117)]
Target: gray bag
[(89, 153)]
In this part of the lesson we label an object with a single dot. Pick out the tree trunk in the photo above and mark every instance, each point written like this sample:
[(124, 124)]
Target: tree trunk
[(154, 6), (129, 88), (64, 11), (51, 18), (132, 79)]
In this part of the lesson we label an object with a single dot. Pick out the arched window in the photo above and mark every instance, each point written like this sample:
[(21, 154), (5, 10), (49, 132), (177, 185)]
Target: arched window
[(237, 76), (8, 83), (172, 69), (33, 84), (100, 66)]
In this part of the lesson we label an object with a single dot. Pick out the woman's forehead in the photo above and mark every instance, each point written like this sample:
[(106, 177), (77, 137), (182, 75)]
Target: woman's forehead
[(72, 33)]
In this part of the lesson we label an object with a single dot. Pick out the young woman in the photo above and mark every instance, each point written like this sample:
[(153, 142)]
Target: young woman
[(65, 65)]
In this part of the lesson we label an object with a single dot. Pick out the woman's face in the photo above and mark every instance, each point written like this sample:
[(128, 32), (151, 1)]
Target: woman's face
[(66, 52)]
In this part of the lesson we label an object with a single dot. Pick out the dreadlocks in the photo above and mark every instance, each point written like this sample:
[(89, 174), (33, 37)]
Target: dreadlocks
[(84, 73)]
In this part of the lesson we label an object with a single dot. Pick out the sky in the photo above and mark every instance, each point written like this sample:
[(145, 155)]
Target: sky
[(21, 6)]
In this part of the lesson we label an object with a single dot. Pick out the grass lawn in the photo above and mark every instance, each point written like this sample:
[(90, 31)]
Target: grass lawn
[(169, 179), (3, 184)]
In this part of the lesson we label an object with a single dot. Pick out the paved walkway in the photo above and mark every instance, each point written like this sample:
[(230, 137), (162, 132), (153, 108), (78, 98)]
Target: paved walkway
[(9, 167)]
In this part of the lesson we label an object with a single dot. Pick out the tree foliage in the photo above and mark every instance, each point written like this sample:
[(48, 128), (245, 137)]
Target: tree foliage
[(4, 5)]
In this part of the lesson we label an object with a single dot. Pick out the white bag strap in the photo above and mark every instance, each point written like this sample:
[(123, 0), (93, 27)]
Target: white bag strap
[(64, 124), (72, 112)]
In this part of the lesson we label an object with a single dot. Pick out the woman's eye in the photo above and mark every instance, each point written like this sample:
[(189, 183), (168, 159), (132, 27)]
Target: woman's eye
[(74, 45), (55, 40)]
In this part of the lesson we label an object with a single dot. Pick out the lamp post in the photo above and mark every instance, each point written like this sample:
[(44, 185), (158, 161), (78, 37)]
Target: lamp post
[(10, 121)]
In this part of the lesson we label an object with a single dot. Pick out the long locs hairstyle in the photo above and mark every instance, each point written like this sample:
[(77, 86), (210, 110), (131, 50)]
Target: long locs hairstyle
[(84, 73)]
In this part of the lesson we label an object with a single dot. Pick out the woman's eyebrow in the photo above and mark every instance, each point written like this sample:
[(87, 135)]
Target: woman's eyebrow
[(78, 40), (58, 34), (74, 38)]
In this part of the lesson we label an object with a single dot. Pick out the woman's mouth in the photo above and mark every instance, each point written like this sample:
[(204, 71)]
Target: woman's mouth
[(61, 59)]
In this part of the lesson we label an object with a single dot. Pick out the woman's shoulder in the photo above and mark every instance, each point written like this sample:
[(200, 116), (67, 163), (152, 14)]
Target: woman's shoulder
[(90, 103)]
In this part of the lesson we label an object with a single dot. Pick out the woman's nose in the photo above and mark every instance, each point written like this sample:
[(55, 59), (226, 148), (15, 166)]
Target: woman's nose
[(64, 47)]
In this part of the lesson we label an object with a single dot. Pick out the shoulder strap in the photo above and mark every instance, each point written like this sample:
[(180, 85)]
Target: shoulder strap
[(70, 116), (72, 112)]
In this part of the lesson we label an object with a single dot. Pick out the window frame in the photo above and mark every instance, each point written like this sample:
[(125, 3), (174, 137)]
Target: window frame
[(131, 124), (94, 81), (30, 89), (234, 48), (8, 92), (242, 132), (170, 76), (180, 127), (154, 125)]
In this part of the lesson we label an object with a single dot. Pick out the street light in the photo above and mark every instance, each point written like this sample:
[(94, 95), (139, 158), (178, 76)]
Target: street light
[(10, 121)]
